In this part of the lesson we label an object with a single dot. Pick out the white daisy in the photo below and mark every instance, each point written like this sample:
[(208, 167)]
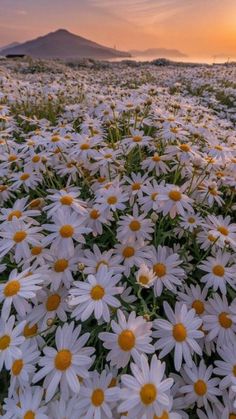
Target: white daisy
[(179, 333), (219, 273), (97, 397), (95, 295), (200, 388), (19, 288), (145, 392), (130, 338), (64, 364), (10, 340)]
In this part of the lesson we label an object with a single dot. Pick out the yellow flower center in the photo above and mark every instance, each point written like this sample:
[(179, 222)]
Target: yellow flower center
[(111, 200), (218, 147), (154, 196), (17, 366), (148, 394), (15, 213), (35, 203), (29, 415), (97, 397), (211, 238), (66, 200), (224, 320), (159, 269), (25, 176), (12, 157), (63, 360), (200, 387), (66, 231), (218, 270), (53, 302), (179, 332), (84, 146), (30, 331), (36, 159), (5, 341), (143, 279), (19, 236), (137, 139), (175, 195), (232, 416), (134, 225), (198, 305), (234, 370), (97, 292), (60, 265), (223, 230), (126, 340), (36, 250), (136, 186), (11, 288), (156, 158), (184, 147), (3, 188), (94, 214), (191, 220), (128, 252), (55, 139)]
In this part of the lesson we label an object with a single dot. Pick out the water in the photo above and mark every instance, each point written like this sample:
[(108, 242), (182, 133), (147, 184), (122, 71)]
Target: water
[(196, 60)]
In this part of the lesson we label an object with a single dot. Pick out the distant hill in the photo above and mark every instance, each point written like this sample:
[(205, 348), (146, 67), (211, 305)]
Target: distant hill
[(65, 45), (13, 44), (158, 52)]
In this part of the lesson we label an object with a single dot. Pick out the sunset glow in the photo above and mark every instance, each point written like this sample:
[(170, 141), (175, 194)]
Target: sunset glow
[(196, 27)]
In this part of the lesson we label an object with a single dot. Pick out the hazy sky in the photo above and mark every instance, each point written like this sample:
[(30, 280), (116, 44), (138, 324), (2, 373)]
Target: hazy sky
[(196, 27)]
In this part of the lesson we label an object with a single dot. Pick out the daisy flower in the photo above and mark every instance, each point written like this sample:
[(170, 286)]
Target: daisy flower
[(130, 338), (194, 297), (19, 211), (30, 404), (222, 229), (94, 258), (23, 368), (19, 288), (48, 306), (134, 227), (10, 340), (218, 321), (200, 388), (65, 198), (165, 266), (19, 236), (67, 227), (132, 254), (63, 364), (226, 367), (97, 397), (145, 277), (173, 201), (96, 295), (145, 393), (112, 198), (179, 333), (218, 273)]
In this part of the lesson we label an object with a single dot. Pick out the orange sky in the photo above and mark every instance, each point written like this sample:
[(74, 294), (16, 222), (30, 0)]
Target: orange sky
[(195, 27)]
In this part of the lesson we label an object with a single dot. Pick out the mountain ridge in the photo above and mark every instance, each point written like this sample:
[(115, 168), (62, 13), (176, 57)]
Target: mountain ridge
[(65, 45)]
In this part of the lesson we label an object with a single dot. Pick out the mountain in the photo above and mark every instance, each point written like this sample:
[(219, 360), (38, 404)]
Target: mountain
[(65, 45), (13, 44), (158, 52)]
